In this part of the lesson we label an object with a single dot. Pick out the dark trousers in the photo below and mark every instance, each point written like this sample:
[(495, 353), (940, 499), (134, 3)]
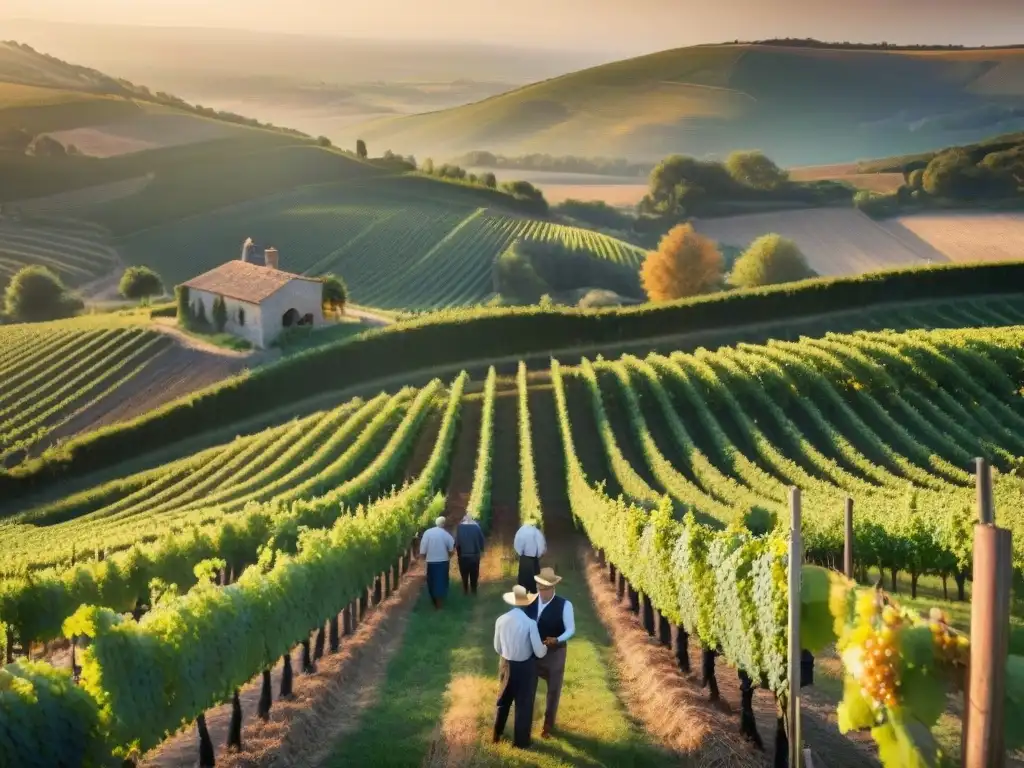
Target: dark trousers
[(517, 684), (528, 568), (469, 569), (552, 670)]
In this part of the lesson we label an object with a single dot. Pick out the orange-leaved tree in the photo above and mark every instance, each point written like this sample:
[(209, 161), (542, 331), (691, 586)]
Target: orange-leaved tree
[(685, 264)]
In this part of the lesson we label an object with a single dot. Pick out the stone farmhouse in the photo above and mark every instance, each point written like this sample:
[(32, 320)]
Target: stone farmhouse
[(261, 299)]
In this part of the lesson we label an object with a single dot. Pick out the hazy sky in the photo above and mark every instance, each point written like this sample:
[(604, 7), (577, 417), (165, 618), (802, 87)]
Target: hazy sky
[(613, 25)]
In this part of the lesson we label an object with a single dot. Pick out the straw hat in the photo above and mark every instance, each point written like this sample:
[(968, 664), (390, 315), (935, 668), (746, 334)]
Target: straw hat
[(519, 596), (440, 522), (547, 578)]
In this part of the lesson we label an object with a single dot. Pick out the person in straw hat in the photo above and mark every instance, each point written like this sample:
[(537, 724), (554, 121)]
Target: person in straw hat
[(437, 545), (556, 624), (517, 641)]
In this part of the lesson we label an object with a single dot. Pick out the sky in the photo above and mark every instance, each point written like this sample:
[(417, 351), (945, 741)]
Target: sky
[(622, 26)]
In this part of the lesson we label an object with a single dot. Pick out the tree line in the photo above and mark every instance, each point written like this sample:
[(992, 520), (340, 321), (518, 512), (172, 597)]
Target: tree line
[(990, 174), (603, 166)]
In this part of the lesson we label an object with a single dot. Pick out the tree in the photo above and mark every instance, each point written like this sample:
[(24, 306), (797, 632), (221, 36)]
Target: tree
[(769, 260), (323, 141), (181, 293), (679, 184), (361, 148), (752, 168), (514, 276), (489, 180), (915, 179), (36, 294), (428, 166), (140, 283), (199, 316), (685, 264), (334, 293), (220, 314)]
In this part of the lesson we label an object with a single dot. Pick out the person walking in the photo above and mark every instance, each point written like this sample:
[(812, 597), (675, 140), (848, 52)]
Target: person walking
[(556, 623), (437, 546), (529, 544), (517, 641), (469, 543)]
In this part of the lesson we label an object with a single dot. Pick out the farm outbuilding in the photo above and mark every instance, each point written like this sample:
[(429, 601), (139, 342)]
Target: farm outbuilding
[(261, 300)]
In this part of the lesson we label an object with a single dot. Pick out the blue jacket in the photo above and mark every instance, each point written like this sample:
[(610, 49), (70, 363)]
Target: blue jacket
[(469, 539)]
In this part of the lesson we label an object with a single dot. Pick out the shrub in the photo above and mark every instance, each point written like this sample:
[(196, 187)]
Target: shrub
[(753, 169), (184, 306), (685, 264), (530, 268), (770, 260), (515, 277), (334, 293), (36, 294), (140, 283), (220, 314), (199, 320), (524, 190)]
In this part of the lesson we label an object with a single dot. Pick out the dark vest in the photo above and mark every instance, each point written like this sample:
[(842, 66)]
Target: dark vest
[(550, 623)]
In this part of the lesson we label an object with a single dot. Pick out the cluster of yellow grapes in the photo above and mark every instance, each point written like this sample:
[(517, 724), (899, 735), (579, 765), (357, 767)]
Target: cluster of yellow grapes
[(952, 648), (880, 671)]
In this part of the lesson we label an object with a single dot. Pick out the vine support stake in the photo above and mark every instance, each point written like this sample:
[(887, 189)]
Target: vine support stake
[(793, 677), (848, 540), (984, 715)]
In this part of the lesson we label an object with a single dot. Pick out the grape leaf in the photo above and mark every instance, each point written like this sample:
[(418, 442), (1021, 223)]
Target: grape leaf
[(917, 648), (854, 711), (923, 694), (905, 744)]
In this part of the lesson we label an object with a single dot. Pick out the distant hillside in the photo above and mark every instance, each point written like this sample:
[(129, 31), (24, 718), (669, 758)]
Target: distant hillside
[(801, 103)]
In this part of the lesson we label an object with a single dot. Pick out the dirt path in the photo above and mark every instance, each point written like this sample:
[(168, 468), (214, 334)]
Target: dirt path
[(328, 705), (368, 316), (182, 749)]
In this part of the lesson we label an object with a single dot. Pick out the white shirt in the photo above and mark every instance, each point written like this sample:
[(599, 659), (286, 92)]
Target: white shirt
[(437, 544), (568, 618), (529, 541), (516, 637)]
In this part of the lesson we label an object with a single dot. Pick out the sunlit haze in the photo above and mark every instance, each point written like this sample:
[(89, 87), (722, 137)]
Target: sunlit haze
[(614, 25)]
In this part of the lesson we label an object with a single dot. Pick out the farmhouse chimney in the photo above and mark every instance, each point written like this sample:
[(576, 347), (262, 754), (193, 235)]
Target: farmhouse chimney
[(270, 258)]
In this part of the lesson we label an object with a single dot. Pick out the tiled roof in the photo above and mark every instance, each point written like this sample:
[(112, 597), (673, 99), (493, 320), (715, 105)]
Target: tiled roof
[(242, 281)]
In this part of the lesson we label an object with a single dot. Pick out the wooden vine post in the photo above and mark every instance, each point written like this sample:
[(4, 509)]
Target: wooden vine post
[(985, 688), (793, 673), (848, 541)]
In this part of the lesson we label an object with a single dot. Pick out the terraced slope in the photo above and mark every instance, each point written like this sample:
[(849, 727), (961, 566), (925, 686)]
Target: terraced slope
[(802, 105), (397, 245), (65, 377), (76, 251)]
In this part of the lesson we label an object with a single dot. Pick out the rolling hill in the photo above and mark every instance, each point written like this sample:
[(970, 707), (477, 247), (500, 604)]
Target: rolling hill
[(154, 181), (800, 104)]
